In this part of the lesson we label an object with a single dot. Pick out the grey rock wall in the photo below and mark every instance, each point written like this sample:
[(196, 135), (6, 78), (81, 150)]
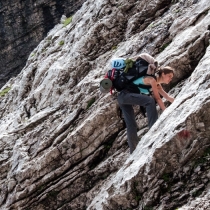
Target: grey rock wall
[(62, 144), (23, 24)]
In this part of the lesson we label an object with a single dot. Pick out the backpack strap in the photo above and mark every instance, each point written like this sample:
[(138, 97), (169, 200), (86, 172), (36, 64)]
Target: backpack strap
[(111, 76)]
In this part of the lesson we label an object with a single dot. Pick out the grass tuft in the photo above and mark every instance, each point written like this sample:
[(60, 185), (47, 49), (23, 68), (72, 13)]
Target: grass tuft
[(67, 21), (90, 103), (61, 43), (4, 91)]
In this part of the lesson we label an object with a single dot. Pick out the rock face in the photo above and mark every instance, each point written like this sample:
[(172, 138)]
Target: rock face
[(62, 143), (23, 24)]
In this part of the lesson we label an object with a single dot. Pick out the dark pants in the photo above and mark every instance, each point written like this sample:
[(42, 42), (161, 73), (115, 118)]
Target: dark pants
[(126, 100)]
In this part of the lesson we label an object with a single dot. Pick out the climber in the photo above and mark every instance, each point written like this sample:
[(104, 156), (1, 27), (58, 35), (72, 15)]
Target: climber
[(147, 95)]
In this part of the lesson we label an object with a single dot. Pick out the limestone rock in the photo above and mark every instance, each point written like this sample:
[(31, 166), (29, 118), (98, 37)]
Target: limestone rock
[(63, 146)]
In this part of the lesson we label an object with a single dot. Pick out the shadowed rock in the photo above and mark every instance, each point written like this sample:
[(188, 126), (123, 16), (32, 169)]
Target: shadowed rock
[(23, 24)]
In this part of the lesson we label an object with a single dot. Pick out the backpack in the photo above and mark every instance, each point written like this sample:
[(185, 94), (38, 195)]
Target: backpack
[(124, 72)]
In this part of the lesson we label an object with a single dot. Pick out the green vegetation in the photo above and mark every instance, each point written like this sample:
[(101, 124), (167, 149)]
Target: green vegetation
[(151, 25), (114, 48), (4, 91), (44, 50), (90, 103), (41, 188), (174, 1), (61, 42), (138, 197), (166, 177), (204, 158), (177, 11), (53, 193), (135, 192), (148, 208), (67, 21), (197, 193), (108, 144), (163, 47)]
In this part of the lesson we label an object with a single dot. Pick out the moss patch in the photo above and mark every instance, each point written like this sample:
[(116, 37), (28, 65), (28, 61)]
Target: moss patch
[(61, 42), (203, 159), (90, 103), (67, 21), (163, 47), (4, 91), (114, 48)]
